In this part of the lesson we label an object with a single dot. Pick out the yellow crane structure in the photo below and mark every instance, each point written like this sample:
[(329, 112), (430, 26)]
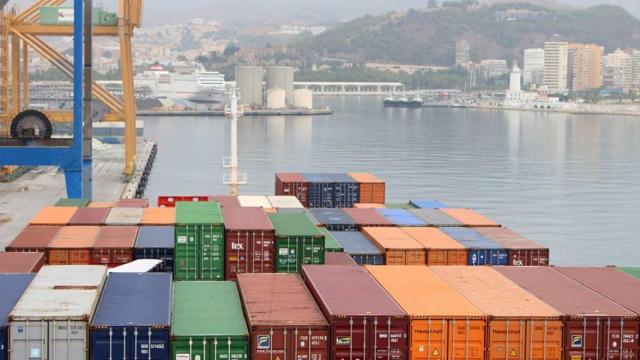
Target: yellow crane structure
[(21, 31)]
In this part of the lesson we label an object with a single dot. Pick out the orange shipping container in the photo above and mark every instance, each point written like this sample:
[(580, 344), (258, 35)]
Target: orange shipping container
[(469, 217), (54, 216), (399, 248), (101, 204), (159, 216), (368, 206), (372, 189), (444, 325), (72, 245), (521, 326), (441, 249)]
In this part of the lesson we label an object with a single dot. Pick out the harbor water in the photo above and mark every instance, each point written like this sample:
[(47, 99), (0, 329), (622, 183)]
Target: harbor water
[(570, 182)]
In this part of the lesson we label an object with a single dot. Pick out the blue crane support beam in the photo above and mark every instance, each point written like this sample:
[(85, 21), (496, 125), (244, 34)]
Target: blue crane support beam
[(68, 158)]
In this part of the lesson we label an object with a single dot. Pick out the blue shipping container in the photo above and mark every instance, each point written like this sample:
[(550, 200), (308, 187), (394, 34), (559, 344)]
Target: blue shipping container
[(12, 286), (320, 191), (156, 242), (133, 318), (401, 217), (334, 219), (482, 250), (361, 249), (346, 191), (428, 204)]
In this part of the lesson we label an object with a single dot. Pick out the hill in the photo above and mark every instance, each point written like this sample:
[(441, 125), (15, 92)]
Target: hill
[(428, 37)]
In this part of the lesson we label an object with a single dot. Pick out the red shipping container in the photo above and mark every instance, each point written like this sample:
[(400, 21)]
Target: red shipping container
[(249, 241), (34, 239), (132, 203), (89, 216), (284, 321), (520, 250), (225, 200), (170, 201), (595, 328), (366, 323), (339, 258), (114, 245), (14, 262), (367, 217), (72, 245), (293, 184)]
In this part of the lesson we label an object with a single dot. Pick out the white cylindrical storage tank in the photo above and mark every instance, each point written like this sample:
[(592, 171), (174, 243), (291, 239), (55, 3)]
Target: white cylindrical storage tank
[(281, 77), (303, 99), (276, 99), (249, 83)]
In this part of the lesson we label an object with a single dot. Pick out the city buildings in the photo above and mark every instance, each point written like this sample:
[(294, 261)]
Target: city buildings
[(636, 69), (618, 70), (556, 54), (494, 68), (463, 49), (584, 67), (533, 72)]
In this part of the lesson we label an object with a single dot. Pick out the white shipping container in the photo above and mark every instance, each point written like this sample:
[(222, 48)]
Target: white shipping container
[(254, 201), (51, 319), (124, 216), (285, 202)]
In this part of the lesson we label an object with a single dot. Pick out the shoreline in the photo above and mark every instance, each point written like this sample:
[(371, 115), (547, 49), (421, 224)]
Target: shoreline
[(564, 111), (283, 112)]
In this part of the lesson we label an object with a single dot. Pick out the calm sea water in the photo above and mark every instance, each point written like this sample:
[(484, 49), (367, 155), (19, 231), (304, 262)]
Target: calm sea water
[(571, 182)]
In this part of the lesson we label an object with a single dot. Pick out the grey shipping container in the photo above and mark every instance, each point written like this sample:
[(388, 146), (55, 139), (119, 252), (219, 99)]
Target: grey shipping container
[(334, 219), (361, 249), (12, 286), (51, 320), (435, 217), (156, 242)]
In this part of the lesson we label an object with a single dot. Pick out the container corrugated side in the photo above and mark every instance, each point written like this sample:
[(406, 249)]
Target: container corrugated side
[(156, 242), (441, 249), (133, 317), (114, 245), (372, 189), (520, 250), (361, 249), (346, 190), (399, 247), (293, 184), (320, 190), (13, 286), (72, 245), (198, 332), (298, 242), (481, 250)]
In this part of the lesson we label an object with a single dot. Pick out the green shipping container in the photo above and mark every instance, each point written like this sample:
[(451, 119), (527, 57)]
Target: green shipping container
[(632, 271), (298, 242), (199, 245), (331, 244), (63, 15), (208, 322), (72, 202)]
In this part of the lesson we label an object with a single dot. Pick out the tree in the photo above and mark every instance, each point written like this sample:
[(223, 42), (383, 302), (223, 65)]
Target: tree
[(230, 50)]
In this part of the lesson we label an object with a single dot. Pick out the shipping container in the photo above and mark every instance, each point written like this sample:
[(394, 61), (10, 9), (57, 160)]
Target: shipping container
[(102, 204), (521, 326), (158, 216), (72, 245), (284, 320), (208, 322), (399, 247), (34, 239), (51, 319), (21, 262), (114, 245), (365, 322), (72, 202), (331, 244), (372, 189), (346, 190), (339, 258), (124, 216), (401, 217), (89, 216), (249, 241), (133, 318), (441, 249), (285, 202), (368, 206), (170, 201), (54, 216), (444, 325), (427, 204), (399, 206), (361, 249), (132, 203), (199, 246), (435, 217), (367, 217), (156, 242), (300, 211), (634, 271), (259, 201), (225, 200), (469, 217), (334, 219), (13, 286), (320, 190), (298, 242), (520, 250), (595, 326), (293, 184), (481, 250)]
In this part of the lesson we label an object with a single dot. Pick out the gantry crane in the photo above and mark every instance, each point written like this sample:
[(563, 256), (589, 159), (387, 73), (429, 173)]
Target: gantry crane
[(21, 31)]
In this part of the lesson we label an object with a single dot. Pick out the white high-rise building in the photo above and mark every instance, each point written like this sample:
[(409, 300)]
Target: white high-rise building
[(494, 68), (533, 73), (618, 69), (463, 48), (556, 56), (636, 69)]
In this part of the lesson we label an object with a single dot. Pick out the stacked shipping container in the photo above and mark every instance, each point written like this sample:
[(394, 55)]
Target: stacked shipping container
[(372, 189), (398, 246), (14, 262), (72, 245), (156, 242), (298, 242), (481, 250), (520, 250), (13, 286), (293, 184), (361, 249), (441, 249)]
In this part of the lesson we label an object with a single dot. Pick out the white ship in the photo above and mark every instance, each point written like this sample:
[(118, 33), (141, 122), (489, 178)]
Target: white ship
[(192, 84)]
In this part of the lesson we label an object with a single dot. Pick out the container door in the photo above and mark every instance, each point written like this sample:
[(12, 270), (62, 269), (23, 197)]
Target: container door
[(287, 255), (389, 338), (309, 344), (109, 343), (477, 257), (351, 339), (29, 340), (428, 339), (507, 340), (238, 253), (3, 343), (466, 339), (226, 348), (457, 257), (80, 257), (621, 339), (311, 251), (582, 339), (271, 344), (149, 343), (212, 254), (544, 340), (437, 257), (186, 252), (191, 348), (68, 340)]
